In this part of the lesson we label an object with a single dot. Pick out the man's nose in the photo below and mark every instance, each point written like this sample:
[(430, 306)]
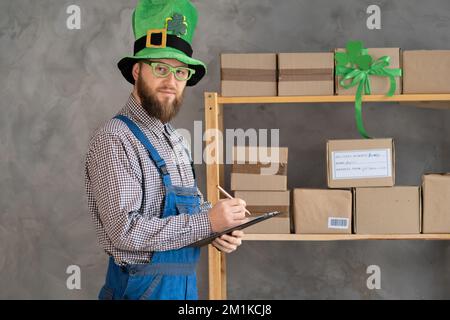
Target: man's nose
[(171, 79)]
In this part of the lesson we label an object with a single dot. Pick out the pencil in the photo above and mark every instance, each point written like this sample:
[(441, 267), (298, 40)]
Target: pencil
[(230, 197)]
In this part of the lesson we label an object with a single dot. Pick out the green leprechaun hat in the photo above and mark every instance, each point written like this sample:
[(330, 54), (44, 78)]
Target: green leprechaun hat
[(164, 29)]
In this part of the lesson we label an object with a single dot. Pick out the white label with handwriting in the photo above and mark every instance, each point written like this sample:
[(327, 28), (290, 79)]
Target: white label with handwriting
[(361, 164)]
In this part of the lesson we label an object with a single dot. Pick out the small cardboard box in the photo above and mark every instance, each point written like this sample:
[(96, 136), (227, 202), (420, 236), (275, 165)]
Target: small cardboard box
[(426, 71), (322, 211), (394, 210), (257, 182), (259, 168), (436, 203), (378, 84), (259, 155), (306, 74), (259, 202), (260, 160), (360, 163), (245, 74), (275, 225)]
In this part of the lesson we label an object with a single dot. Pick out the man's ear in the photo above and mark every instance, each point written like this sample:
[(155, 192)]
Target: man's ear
[(135, 70)]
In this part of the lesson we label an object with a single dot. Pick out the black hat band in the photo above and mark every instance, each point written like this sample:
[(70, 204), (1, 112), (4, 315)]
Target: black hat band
[(157, 41)]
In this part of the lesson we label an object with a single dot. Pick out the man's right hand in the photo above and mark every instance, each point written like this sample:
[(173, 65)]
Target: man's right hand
[(227, 213)]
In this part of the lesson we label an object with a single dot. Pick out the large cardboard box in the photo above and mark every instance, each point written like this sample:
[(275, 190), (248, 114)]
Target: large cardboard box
[(426, 71), (244, 74), (436, 203), (394, 210), (305, 74), (257, 182), (259, 202), (322, 211), (275, 225), (378, 84), (360, 163)]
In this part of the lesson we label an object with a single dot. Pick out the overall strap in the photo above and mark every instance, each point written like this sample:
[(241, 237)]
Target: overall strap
[(154, 155), (192, 164), (188, 153)]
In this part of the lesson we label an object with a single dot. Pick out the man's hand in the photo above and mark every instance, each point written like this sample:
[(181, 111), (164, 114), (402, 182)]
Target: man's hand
[(227, 243), (227, 213)]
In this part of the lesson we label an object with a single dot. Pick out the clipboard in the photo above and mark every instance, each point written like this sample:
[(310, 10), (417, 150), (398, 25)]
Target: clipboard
[(253, 221)]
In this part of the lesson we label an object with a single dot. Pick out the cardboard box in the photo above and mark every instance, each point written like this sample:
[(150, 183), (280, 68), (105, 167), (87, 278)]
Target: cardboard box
[(259, 155), (436, 203), (378, 84), (259, 202), (394, 210), (305, 74), (257, 182), (248, 74), (259, 168), (322, 211), (360, 163), (275, 225), (426, 71)]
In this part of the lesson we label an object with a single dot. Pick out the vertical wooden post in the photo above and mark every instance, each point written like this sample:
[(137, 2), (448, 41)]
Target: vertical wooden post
[(214, 177)]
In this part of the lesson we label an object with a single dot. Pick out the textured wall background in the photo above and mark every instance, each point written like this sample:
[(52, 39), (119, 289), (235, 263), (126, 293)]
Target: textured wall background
[(58, 85)]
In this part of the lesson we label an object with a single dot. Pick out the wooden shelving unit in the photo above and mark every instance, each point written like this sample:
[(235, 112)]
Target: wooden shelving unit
[(214, 172)]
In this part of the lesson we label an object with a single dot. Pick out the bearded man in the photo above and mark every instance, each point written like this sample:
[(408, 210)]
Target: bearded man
[(140, 179)]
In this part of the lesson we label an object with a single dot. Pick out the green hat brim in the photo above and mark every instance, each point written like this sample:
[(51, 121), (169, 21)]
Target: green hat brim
[(126, 64)]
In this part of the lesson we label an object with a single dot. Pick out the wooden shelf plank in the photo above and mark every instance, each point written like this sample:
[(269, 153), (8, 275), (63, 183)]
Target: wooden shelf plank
[(320, 99), (334, 237)]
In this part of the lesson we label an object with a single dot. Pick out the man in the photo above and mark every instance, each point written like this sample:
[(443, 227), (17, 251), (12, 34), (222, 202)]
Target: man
[(140, 179)]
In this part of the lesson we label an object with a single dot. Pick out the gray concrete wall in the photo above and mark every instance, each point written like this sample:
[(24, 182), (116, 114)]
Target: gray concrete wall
[(58, 85)]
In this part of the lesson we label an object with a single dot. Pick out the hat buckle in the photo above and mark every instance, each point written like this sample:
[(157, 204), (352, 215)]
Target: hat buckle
[(156, 38)]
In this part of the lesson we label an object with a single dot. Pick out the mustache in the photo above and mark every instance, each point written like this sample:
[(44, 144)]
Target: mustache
[(168, 89)]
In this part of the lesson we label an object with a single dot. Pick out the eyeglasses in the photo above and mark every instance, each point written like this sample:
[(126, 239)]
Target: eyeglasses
[(162, 70)]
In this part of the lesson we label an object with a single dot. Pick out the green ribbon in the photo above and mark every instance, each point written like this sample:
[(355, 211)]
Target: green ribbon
[(358, 74)]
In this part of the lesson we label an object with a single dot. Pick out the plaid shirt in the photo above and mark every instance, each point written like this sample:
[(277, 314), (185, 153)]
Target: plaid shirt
[(126, 194)]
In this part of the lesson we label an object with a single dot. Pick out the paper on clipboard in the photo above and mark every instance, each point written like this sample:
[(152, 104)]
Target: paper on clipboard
[(213, 236)]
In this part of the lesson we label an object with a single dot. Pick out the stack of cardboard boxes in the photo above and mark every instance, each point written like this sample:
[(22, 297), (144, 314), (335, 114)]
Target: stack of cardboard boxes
[(362, 172), (362, 197), (313, 73), (259, 176), (368, 166)]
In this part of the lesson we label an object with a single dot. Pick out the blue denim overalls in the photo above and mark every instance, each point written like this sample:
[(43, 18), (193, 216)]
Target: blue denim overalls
[(170, 274)]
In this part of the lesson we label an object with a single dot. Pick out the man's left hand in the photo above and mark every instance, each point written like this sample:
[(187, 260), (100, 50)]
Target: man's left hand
[(227, 243)]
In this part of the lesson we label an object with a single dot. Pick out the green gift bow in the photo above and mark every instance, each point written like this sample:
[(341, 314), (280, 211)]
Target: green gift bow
[(361, 68)]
